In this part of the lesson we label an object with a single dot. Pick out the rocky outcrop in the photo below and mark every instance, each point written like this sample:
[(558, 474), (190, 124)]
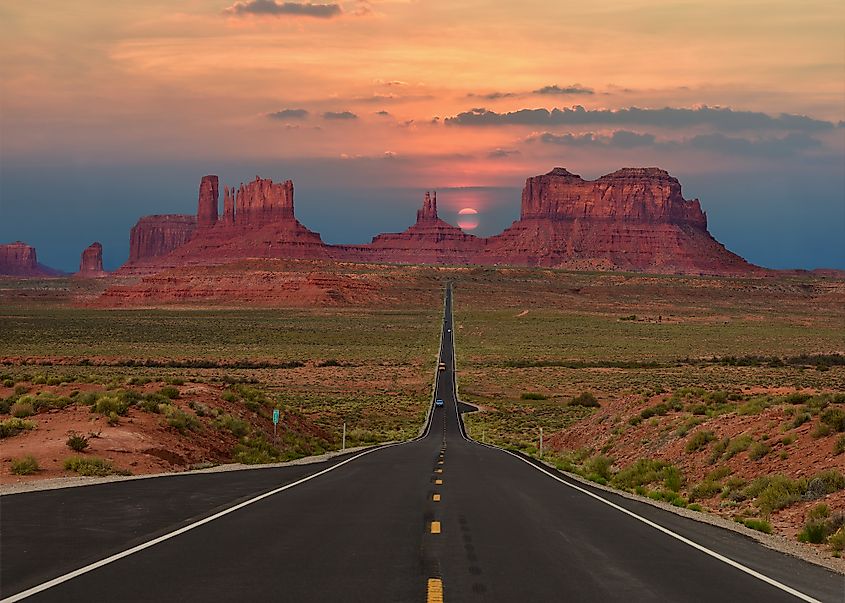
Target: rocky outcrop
[(20, 259), (155, 236), (633, 219), (645, 195), (429, 241), (262, 201), (91, 262), (208, 201)]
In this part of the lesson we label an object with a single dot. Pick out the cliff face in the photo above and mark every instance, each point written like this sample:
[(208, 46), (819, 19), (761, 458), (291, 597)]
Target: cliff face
[(207, 204), (91, 262), (645, 195), (632, 219), (156, 236), (20, 259)]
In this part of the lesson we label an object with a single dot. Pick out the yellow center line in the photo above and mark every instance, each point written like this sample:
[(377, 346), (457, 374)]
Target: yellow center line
[(435, 590), (438, 482), (435, 497), (435, 527), (439, 462)]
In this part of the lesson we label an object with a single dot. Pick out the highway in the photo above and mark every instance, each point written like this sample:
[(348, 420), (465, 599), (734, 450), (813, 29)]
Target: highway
[(438, 518)]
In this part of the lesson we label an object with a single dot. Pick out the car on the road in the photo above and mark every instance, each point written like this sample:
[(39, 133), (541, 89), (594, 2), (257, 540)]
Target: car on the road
[(438, 402)]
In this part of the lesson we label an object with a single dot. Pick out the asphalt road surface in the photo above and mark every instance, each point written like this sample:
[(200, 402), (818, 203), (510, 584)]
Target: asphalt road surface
[(438, 518)]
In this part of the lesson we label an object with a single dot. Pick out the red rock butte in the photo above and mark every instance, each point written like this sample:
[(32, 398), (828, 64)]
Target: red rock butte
[(91, 262), (20, 259), (633, 219)]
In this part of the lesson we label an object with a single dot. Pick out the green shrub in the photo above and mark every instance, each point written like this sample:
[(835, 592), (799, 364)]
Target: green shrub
[(799, 419), (110, 404), (8, 383), (13, 426), (699, 440), (834, 418), (89, 466), (704, 490), (599, 465), (839, 445), (821, 430), (77, 442), (837, 541), (695, 507), (755, 405), (718, 450), (760, 525), (169, 391), (824, 483), (673, 479), (254, 451), (584, 399), (640, 473), (25, 466), (48, 400), (179, 419), (737, 445), (237, 427), (719, 473), (759, 450), (774, 492), (532, 396), (21, 409), (229, 396)]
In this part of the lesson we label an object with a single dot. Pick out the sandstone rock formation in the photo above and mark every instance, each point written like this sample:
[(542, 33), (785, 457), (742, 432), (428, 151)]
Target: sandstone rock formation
[(91, 262), (633, 219), (429, 241), (156, 236), (258, 222), (20, 259), (207, 204)]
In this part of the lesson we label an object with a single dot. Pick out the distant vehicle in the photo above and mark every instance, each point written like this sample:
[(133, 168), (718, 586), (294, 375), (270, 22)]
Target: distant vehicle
[(448, 330), (441, 366), (438, 402)]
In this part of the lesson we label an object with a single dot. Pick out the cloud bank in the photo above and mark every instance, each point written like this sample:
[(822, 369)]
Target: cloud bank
[(669, 117)]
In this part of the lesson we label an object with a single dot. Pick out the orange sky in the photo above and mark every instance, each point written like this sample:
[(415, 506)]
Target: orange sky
[(115, 81)]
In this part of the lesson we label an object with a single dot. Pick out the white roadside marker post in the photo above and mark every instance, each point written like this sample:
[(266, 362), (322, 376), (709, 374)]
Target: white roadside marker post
[(541, 442)]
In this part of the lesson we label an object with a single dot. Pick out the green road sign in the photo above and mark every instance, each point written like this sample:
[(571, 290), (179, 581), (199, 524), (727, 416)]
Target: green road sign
[(275, 416)]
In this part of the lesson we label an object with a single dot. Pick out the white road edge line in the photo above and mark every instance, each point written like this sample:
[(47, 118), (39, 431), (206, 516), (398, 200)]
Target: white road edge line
[(735, 564), (145, 545)]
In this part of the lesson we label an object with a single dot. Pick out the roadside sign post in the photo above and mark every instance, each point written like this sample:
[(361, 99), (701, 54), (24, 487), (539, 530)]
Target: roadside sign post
[(541, 442), (276, 414), (343, 444)]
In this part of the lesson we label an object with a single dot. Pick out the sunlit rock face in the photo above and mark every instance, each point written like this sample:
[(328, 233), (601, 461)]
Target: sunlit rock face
[(633, 219)]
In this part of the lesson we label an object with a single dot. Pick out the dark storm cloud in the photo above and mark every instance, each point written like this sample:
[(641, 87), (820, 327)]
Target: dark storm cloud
[(277, 9), (716, 143), (555, 89), (289, 114), (339, 115), (722, 119)]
